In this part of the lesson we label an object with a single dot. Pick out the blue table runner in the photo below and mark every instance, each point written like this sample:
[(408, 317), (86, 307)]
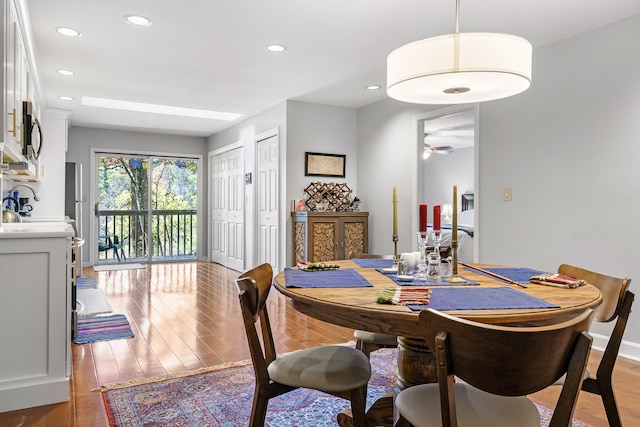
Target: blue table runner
[(341, 278), (481, 299)]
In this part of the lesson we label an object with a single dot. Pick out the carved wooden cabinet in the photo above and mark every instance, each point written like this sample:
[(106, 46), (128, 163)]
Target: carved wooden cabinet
[(326, 236)]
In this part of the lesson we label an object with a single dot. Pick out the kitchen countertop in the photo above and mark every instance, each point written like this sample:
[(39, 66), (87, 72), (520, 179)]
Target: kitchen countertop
[(34, 230)]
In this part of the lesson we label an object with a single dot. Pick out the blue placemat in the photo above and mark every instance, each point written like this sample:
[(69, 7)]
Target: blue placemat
[(518, 274), (481, 299), (342, 278), (420, 282), (373, 262)]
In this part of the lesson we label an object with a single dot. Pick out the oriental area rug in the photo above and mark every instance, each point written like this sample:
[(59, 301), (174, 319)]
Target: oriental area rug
[(222, 396)]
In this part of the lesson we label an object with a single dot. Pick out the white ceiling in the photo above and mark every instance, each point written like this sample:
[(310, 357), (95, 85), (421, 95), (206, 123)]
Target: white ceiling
[(210, 54), (454, 130)]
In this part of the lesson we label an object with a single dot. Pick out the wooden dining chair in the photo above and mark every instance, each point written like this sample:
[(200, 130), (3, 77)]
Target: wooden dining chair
[(334, 369), (498, 366), (616, 305), (371, 341)]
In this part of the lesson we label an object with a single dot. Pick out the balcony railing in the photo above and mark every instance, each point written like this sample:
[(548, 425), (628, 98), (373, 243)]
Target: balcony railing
[(174, 234)]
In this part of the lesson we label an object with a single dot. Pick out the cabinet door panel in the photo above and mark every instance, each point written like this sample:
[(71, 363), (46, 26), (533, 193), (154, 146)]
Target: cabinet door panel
[(299, 241), (324, 240), (321, 237), (12, 115), (24, 302), (354, 237)]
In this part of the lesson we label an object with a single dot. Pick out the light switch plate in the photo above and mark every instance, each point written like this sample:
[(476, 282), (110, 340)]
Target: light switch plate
[(506, 194)]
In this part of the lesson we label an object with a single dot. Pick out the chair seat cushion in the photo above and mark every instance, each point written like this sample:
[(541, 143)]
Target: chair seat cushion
[(374, 338), (562, 379), (330, 368), (420, 405)]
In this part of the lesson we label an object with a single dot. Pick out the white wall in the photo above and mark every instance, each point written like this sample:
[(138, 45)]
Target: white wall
[(317, 128), (388, 156), (442, 172), (324, 129), (569, 148), (81, 140)]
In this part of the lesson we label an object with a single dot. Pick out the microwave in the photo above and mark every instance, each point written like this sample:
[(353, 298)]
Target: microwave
[(32, 132)]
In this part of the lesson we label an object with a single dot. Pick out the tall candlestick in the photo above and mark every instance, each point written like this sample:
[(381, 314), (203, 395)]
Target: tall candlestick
[(436, 217), (423, 218), (454, 223), (454, 241), (395, 211)]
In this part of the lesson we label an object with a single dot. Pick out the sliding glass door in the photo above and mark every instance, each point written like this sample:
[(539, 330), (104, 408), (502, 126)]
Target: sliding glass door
[(146, 208)]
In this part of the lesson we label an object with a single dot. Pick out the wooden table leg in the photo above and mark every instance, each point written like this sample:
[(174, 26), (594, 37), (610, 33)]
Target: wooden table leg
[(380, 413), (416, 365)]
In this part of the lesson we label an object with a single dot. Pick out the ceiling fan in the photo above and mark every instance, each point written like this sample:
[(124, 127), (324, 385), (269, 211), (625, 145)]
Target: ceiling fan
[(445, 149), (428, 149)]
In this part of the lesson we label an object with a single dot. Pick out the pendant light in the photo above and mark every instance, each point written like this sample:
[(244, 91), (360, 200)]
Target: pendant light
[(459, 68)]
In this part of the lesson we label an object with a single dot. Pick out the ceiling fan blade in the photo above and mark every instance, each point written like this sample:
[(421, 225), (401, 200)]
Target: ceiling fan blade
[(446, 133), (442, 150)]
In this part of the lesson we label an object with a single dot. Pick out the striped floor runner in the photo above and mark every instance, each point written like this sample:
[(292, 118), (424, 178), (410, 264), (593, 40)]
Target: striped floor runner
[(86, 283), (102, 328)]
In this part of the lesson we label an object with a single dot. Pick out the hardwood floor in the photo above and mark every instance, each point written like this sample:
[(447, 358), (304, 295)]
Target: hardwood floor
[(187, 316)]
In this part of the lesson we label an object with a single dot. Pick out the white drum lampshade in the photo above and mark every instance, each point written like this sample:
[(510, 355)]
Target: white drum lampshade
[(460, 68)]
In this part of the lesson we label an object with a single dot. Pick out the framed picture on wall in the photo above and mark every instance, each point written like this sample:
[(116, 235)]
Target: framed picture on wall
[(467, 201), (320, 164)]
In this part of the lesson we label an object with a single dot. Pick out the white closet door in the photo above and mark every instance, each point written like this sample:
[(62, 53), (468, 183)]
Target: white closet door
[(267, 175), (227, 209), (217, 193), (235, 209)]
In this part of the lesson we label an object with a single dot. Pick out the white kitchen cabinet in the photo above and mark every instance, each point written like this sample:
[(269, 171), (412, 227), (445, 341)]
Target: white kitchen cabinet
[(13, 77), (17, 86), (35, 314)]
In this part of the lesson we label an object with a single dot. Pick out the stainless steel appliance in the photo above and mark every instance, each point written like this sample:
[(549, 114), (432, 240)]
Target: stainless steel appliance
[(74, 200), (32, 132)]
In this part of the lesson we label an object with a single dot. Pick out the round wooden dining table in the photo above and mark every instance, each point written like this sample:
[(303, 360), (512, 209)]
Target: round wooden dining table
[(357, 308)]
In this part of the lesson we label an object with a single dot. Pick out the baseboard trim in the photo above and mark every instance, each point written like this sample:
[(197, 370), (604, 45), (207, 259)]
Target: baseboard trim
[(628, 349)]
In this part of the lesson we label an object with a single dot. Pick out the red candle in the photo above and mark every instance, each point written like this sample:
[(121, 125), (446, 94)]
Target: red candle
[(436, 217), (423, 218)]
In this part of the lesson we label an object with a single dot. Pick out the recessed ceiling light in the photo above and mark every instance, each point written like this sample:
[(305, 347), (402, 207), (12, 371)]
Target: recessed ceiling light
[(276, 48), (65, 72), (157, 109), (373, 87), (138, 20), (69, 32), (66, 98)]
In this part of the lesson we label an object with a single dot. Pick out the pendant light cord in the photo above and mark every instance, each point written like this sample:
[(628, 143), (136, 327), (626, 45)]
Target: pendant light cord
[(457, 16), (456, 47)]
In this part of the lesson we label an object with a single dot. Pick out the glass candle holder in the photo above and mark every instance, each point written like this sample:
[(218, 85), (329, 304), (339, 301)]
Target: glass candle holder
[(422, 262)]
